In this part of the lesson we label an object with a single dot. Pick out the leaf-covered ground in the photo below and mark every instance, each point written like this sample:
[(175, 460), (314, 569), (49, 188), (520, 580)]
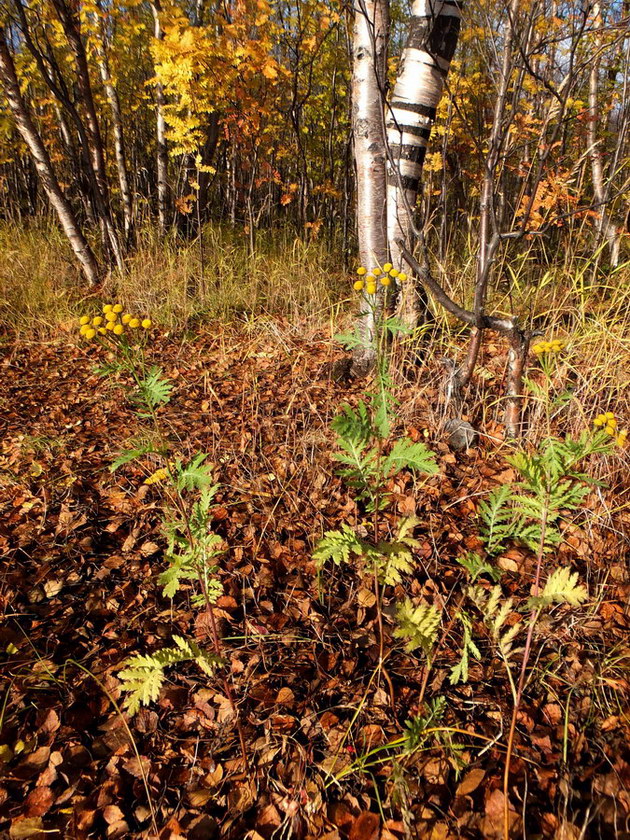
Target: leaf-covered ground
[(81, 551)]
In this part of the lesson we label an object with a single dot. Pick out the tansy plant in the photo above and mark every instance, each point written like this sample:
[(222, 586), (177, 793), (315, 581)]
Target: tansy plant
[(370, 458), (551, 483), (186, 490)]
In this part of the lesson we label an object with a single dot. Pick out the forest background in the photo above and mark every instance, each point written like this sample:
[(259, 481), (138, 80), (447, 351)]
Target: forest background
[(201, 166)]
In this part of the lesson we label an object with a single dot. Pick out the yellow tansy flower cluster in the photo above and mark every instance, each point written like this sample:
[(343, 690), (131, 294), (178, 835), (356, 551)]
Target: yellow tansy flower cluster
[(609, 424), (384, 276), (541, 347), (111, 321), (157, 476)]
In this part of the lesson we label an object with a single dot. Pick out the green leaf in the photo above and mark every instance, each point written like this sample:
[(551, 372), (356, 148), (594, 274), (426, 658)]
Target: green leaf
[(499, 523), (459, 672), (476, 566), (195, 476), (406, 454), (142, 677), (154, 390), (561, 588), (131, 455), (417, 625), (338, 546)]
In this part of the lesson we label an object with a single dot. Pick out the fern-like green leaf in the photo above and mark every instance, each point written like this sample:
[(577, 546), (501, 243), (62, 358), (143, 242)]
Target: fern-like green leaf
[(498, 520), (395, 559), (179, 568), (476, 566), (353, 425), (128, 456), (338, 546), (406, 454), (459, 672), (562, 587), (142, 677), (196, 475), (417, 625), (154, 390)]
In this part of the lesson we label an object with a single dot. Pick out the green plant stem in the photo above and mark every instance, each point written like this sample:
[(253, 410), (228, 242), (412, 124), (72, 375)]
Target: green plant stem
[(377, 588), (108, 694), (521, 680)]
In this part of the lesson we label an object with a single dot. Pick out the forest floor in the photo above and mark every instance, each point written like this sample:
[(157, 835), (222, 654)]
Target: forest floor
[(82, 548)]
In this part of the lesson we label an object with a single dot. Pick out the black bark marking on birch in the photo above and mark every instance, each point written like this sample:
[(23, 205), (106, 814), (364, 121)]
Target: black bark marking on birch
[(435, 35), (415, 108)]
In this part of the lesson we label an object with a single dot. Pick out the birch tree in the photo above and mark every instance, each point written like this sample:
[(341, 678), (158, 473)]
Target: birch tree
[(43, 165), (160, 126), (369, 70), (424, 65), (606, 230)]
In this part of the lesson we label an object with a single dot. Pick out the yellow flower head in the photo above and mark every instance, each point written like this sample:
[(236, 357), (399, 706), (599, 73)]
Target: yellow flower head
[(126, 318), (376, 272), (134, 323), (97, 321), (84, 329), (357, 285), (361, 271), (610, 430), (393, 272), (610, 421), (371, 288), (85, 319), (110, 325), (107, 308), (609, 415), (622, 438), (386, 281), (90, 333), (102, 330), (147, 323), (119, 329), (600, 420), (157, 476), (402, 277), (387, 267), (111, 315), (118, 308)]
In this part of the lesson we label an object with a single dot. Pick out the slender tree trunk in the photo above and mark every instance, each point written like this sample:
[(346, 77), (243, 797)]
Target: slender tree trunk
[(43, 165), (162, 150), (369, 74), (117, 124), (424, 65), (488, 222), (605, 228), (71, 26)]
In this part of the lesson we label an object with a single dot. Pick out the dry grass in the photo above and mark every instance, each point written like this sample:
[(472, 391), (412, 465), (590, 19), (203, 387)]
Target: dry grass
[(291, 284), (176, 282)]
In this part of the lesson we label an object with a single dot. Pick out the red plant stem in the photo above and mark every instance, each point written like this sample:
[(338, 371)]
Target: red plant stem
[(521, 680)]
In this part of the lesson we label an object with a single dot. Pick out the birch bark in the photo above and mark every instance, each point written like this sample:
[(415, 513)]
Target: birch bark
[(43, 165), (425, 61), (117, 122), (605, 228), (162, 150), (369, 74)]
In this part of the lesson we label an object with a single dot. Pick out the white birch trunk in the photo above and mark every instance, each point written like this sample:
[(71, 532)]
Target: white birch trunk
[(424, 65), (162, 150), (369, 74), (117, 123), (43, 165), (605, 228)]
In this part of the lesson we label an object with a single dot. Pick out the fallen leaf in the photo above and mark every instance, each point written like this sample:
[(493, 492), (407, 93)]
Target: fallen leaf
[(471, 781), (366, 827)]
